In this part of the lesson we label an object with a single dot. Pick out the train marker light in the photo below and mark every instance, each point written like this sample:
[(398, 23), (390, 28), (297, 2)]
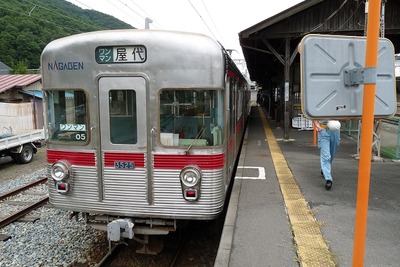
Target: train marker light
[(191, 194), (62, 187)]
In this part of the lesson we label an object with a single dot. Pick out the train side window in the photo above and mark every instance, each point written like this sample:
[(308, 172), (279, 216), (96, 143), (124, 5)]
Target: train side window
[(66, 117), (191, 117)]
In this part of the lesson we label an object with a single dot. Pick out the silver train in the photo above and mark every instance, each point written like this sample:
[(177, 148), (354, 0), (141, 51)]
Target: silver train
[(143, 128)]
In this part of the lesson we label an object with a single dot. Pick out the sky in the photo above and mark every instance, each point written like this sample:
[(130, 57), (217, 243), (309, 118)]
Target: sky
[(220, 19)]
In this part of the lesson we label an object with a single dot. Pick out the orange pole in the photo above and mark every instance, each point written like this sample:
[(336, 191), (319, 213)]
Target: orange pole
[(364, 167), (314, 135)]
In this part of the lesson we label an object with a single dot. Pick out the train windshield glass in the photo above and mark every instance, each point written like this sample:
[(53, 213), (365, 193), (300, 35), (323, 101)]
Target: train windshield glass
[(66, 116), (191, 117)]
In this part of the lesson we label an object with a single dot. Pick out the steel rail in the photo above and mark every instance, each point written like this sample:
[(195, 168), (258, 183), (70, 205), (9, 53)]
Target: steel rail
[(13, 217), (23, 188)]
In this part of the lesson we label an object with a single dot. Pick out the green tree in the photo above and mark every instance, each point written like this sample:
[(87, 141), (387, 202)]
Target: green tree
[(24, 34), (21, 67)]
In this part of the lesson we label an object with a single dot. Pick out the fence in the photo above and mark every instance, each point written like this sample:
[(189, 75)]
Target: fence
[(16, 116), (387, 140), (390, 138)]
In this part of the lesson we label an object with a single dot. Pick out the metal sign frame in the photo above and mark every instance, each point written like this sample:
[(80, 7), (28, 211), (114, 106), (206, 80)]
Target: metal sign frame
[(333, 77)]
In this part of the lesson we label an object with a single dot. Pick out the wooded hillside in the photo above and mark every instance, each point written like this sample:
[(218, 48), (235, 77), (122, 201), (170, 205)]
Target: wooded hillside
[(27, 26)]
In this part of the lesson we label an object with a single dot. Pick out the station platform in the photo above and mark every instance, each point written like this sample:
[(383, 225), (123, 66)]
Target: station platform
[(280, 213)]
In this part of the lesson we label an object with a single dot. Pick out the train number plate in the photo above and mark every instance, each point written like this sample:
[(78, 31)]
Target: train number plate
[(128, 165)]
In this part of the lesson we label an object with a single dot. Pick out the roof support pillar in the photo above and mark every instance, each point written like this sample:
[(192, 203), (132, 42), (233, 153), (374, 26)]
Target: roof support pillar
[(287, 87)]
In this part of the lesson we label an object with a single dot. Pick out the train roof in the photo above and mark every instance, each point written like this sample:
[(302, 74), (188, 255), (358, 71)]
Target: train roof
[(162, 55)]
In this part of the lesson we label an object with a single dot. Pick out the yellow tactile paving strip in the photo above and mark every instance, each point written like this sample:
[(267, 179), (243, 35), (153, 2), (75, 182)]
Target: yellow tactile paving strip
[(311, 247)]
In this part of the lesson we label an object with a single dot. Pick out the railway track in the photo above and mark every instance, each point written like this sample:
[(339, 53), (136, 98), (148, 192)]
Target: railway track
[(195, 245), (18, 198), (120, 256)]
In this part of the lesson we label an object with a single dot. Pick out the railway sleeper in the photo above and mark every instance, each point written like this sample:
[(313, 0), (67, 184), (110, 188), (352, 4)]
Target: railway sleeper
[(4, 237)]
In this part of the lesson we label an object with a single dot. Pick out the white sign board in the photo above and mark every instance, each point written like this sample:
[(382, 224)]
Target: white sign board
[(333, 77)]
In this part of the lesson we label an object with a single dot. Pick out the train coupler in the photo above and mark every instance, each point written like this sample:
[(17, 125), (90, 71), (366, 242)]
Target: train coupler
[(120, 228)]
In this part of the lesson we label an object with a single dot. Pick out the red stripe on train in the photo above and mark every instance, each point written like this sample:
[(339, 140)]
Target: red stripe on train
[(75, 158), (205, 162), (233, 75), (136, 158), (161, 161)]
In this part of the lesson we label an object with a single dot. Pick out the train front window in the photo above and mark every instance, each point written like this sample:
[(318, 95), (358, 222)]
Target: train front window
[(191, 117), (67, 119)]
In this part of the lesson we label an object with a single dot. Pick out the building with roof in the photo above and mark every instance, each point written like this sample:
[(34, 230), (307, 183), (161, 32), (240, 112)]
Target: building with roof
[(20, 87), (4, 69), (22, 93), (270, 46)]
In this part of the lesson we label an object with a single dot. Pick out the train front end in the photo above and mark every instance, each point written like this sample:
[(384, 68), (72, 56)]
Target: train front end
[(138, 129)]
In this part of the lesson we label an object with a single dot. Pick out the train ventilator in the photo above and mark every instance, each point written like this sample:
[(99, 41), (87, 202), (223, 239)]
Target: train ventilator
[(143, 128)]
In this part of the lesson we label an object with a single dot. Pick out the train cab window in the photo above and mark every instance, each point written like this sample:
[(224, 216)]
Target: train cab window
[(67, 119), (123, 119), (191, 117)]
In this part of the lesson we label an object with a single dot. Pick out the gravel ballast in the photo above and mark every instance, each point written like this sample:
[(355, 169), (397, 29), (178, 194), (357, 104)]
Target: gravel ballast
[(54, 239)]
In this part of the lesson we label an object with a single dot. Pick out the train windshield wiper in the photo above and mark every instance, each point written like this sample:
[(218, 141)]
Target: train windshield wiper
[(198, 136)]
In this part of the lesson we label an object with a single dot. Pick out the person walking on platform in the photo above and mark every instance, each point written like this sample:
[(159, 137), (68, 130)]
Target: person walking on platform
[(328, 143)]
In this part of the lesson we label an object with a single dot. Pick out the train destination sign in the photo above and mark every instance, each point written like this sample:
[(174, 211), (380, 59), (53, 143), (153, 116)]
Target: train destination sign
[(121, 54)]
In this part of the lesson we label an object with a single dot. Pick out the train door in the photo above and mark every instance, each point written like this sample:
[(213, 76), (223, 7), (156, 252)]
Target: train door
[(123, 140), (230, 117)]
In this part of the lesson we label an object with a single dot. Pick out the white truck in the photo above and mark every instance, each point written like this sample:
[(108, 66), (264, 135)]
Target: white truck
[(21, 147)]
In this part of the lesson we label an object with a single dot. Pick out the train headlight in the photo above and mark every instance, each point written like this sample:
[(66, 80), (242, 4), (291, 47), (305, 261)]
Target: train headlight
[(190, 182), (190, 176), (61, 174), (60, 170)]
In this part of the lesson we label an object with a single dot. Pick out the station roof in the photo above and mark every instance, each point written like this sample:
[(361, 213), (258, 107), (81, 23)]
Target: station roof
[(263, 44), (19, 81)]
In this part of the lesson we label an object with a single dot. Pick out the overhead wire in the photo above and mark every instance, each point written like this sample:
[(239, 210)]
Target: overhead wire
[(139, 7), (327, 19), (202, 20), (122, 10), (37, 18), (83, 4), (118, 7), (63, 15), (155, 23), (212, 20), (132, 11), (352, 14)]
